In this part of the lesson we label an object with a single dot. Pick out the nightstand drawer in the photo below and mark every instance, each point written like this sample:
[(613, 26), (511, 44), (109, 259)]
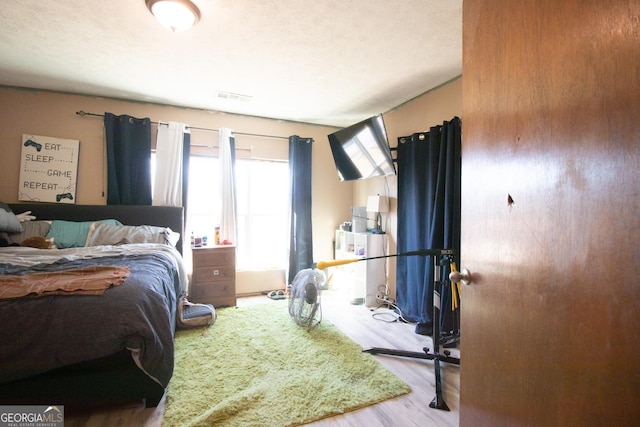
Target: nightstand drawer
[(213, 278), (214, 274), (217, 256), (207, 291)]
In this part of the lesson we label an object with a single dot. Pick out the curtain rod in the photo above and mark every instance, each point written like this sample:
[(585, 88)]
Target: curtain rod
[(82, 114)]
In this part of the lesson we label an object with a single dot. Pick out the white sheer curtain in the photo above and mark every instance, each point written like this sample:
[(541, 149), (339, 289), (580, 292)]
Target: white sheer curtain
[(228, 208), (167, 184)]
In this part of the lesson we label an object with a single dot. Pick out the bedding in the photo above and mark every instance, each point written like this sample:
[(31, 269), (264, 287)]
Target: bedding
[(73, 234), (92, 280), (30, 229), (9, 223), (90, 351), (131, 215), (109, 234), (47, 332)]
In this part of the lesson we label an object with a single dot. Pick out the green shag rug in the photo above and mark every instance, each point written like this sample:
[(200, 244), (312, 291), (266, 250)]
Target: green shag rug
[(256, 367)]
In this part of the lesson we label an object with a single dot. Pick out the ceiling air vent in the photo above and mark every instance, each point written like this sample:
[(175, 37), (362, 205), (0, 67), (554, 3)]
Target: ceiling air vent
[(233, 96)]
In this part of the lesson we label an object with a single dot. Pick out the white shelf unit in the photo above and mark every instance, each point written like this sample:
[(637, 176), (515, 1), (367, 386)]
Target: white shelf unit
[(364, 280)]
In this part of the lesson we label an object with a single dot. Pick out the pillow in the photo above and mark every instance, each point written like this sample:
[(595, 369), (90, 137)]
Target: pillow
[(108, 234), (30, 229), (72, 234), (8, 221)]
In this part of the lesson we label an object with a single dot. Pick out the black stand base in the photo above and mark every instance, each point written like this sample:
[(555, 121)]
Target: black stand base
[(413, 354), (438, 402)]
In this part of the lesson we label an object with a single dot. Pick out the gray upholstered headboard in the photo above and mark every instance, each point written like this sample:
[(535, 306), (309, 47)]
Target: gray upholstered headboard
[(159, 216)]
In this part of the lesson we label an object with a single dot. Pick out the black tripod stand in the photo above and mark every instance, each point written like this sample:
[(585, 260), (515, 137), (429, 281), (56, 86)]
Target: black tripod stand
[(440, 257)]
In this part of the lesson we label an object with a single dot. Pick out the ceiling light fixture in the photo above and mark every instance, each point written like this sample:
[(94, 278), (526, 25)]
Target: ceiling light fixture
[(177, 15)]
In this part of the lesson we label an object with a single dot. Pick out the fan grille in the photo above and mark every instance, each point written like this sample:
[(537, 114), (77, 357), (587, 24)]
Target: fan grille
[(304, 298)]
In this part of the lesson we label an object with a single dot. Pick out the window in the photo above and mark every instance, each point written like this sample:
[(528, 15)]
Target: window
[(204, 195), (262, 188)]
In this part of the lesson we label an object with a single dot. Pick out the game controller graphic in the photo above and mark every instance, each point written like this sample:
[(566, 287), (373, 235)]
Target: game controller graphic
[(64, 196), (32, 143)]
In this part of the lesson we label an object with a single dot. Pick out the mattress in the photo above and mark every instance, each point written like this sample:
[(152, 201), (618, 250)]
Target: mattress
[(42, 333)]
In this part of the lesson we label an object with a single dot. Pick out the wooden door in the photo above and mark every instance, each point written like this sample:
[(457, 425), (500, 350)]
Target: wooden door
[(550, 213)]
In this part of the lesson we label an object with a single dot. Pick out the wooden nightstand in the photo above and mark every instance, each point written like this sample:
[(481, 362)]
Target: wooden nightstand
[(214, 276)]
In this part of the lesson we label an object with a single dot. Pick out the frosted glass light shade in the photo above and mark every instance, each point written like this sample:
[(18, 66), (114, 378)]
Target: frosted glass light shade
[(176, 15)]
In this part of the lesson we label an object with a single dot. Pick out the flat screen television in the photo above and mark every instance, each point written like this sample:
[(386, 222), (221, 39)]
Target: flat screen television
[(362, 151)]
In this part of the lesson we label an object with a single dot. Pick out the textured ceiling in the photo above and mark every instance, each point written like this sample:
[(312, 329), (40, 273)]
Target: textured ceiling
[(331, 62)]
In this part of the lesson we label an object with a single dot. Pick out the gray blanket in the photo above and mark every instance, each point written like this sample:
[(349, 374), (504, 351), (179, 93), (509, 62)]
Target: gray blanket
[(43, 333)]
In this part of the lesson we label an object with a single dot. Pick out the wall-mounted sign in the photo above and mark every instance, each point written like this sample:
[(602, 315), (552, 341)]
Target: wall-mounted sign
[(48, 169)]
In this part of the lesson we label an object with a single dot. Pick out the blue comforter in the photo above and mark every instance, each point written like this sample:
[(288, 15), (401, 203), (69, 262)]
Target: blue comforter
[(43, 333)]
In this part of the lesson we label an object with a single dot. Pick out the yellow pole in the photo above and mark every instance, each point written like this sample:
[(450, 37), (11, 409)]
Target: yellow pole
[(324, 264)]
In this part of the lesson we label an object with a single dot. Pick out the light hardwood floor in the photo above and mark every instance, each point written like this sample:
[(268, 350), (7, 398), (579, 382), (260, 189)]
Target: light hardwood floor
[(369, 328)]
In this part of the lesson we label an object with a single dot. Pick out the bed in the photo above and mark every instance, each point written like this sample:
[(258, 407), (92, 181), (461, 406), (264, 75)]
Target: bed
[(110, 344)]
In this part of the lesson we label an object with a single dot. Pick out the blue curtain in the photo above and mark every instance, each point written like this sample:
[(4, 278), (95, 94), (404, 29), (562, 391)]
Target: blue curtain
[(428, 218), (300, 234), (186, 155), (128, 160)]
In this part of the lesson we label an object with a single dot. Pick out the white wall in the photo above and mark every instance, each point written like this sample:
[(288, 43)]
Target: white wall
[(54, 114)]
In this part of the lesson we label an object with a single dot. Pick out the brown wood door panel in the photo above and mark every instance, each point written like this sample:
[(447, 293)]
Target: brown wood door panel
[(551, 117)]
